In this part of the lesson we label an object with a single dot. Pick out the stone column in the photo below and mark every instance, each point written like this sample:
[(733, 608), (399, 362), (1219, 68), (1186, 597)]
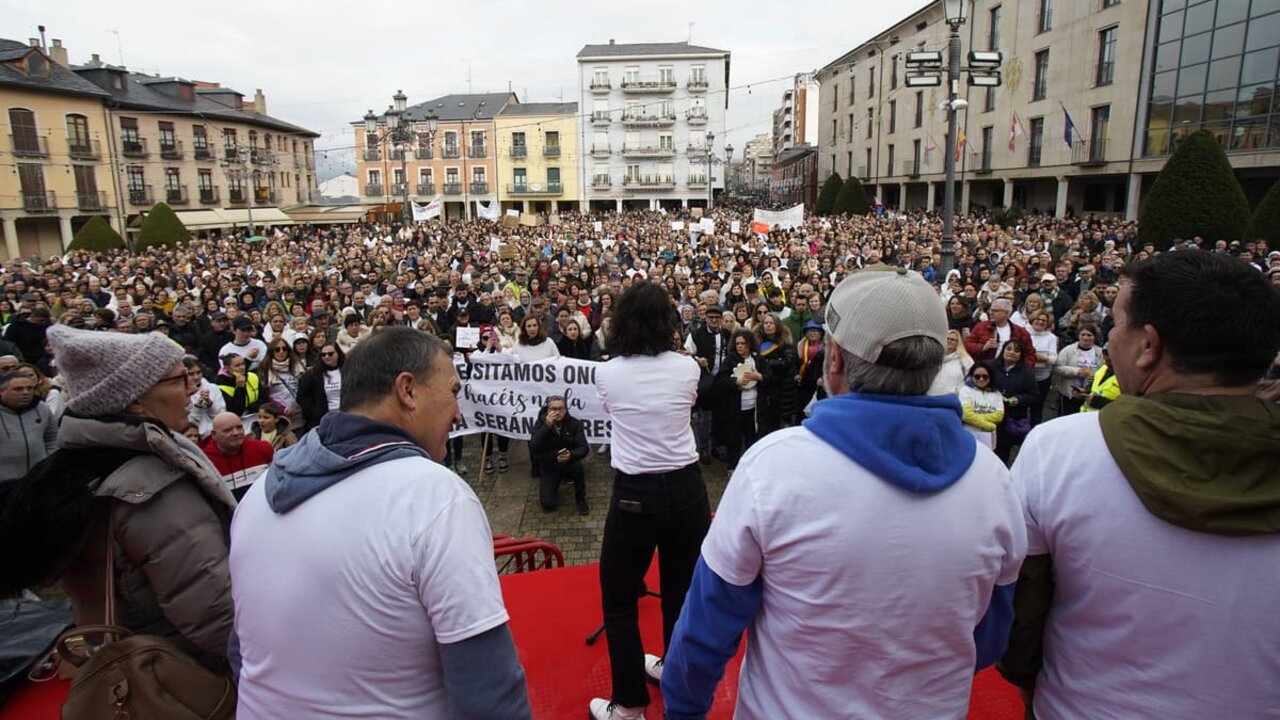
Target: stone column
[(902, 197), (1060, 205), (928, 201), (964, 198), (1008, 192), (11, 237), (64, 225), (1131, 204)]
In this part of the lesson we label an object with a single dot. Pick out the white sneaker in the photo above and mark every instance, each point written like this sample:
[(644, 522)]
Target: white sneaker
[(653, 668), (601, 709)]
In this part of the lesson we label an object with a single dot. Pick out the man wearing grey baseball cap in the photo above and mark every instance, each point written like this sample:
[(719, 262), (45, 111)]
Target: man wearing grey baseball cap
[(871, 552)]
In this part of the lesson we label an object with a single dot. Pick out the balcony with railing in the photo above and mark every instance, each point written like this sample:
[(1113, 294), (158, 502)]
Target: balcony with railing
[(519, 151), (92, 201), (450, 152), (39, 202), (697, 116), (29, 145), (663, 85), (141, 196), (231, 152), (454, 188), (177, 195), (237, 196), (476, 152), (649, 182), (864, 173), (265, 196), (83, 148), (423, 153), (426, 189), (171, 150), (135, 147), (648, 151), (601, 181), (697, 181), (372, 154), (397, 154), (640, 119), (601, 87), (695, 151), (911, 168), (399, 189), (698, 84), (600, 151), (373, 189), (551, 151), (1089, 153), (202, 151), (479, 188), (984, 163), (600, 118), (535, 188), (209, 196)]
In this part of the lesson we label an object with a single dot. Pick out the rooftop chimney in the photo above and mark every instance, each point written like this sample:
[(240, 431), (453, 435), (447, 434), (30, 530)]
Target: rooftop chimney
[(58, 53), (34, 42), (260, 102), (610, 41), (95, 60)]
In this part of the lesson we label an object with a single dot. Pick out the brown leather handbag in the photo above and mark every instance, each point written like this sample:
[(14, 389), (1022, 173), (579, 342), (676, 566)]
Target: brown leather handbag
[(137, 677)]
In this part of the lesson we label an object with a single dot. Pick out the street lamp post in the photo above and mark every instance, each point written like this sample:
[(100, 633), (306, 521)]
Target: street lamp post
[(401, 135), (728, 162), (243, 168), (924, 69), (711, 188)]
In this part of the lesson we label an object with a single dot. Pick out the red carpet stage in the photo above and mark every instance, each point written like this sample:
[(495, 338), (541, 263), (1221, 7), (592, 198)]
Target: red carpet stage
[(552, 612)]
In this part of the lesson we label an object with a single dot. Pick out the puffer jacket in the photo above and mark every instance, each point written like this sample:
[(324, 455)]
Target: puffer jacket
[(26, 437), (171, 517)]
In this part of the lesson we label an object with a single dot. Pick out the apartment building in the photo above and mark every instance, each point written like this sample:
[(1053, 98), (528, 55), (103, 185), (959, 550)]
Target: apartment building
[(1095, 96), (795, 122), (458, 163), (654, 133), (794, 177), (59, 170), (538, 157), (757, 160)]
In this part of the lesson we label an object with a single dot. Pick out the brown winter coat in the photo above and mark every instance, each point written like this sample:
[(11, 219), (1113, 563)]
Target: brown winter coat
[(172, 520)]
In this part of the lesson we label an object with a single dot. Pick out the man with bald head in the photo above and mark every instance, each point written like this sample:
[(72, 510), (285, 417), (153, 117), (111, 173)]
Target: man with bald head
[(240, 459)]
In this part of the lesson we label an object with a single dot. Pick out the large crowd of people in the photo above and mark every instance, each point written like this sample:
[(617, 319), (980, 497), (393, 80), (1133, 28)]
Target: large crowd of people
[(809, 360)]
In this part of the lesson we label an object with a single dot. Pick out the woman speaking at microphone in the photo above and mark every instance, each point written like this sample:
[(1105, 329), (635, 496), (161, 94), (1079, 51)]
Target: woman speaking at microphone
[(659, 500)]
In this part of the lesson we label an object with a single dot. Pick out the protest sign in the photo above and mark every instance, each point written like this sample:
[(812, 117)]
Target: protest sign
[(467, 337), (502, 395)]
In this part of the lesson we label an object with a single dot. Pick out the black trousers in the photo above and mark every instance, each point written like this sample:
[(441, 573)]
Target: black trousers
[(1042, 394), (669, 512), (742, 435), (550, 475)]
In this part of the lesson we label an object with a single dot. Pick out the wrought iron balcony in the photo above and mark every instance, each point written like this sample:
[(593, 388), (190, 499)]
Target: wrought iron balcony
[(645, 120), (600, 118), (399, 189), (237, 196), (648, 182), (535, 189), (519, 151), (28, 144), (697, 181), (231, 152), (601, 88), (600, 151), (479, 188), (141, 196), (697, 117), (453, 188), (372, 154), (209, 196), (1089, 153), (601, 181), (697, 152), (91, 201), (83, 148), (176, 195), (171, 150), (423, 153), (133, 147), (450, 152), (202, 152), (373, 189), (39, 202), (984, 164), (398, 154), (426, 188), (551, 151), (648, 86), (911, 168), (476, 152), (698, 84), (650, 151)]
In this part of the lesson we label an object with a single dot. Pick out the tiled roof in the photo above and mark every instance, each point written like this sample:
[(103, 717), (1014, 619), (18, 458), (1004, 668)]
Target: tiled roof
[(570, 108), (627, 49), (453, 108), (60, 79)]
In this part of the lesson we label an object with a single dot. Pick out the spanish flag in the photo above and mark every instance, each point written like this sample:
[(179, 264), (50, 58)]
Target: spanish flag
[(961, 140)]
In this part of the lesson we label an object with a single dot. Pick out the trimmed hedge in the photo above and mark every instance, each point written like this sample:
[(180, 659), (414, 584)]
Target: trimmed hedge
[(852, 199), (1196, 193), (98, 236), (162, 227), (827, 195), (1265, 223)]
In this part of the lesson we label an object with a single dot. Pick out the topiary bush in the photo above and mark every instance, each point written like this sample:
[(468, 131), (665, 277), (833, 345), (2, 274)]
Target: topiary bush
[(97, 236), (1265, 223), (1196, 193), (852, 199), (828, 194), (162, 227)]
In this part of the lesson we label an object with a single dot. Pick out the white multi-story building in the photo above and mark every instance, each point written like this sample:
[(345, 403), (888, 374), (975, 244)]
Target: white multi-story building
[(758, 161), (1130, 78), (653, 115)]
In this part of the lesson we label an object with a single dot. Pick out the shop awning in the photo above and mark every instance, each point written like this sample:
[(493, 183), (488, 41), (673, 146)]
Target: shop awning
[(327, 214)]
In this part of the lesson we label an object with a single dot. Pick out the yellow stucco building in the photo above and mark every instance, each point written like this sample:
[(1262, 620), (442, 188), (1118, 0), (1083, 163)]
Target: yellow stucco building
[(538, 157)]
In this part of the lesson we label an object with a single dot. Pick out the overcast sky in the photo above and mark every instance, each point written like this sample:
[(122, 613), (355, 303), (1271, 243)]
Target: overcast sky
[(322, 64)]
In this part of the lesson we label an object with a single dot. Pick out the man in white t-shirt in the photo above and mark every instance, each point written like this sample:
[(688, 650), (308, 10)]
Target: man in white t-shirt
[(244, 344), (362, 570), (871, 553), (1153, 525)]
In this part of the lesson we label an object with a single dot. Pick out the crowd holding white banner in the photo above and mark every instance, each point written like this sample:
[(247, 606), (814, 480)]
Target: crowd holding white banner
[(502, 395)]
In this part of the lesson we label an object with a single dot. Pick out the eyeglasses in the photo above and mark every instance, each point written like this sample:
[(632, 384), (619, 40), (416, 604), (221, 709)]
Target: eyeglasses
[(282, 349), (328, 354), (981, 377), (184, 377)]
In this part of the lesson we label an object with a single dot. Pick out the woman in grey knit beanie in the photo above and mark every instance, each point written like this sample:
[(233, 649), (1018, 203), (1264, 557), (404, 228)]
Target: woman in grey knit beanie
[(157, 499)]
